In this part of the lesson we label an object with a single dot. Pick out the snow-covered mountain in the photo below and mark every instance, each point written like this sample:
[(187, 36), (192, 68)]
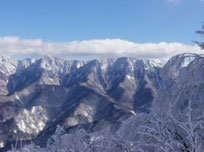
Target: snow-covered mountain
[(38, 94), (116, 104)]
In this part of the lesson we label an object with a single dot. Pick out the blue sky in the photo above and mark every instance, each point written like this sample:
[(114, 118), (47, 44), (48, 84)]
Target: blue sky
[(137, 21), (134, 20)]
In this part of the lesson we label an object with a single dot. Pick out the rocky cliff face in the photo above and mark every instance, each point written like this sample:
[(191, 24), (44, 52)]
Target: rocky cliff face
[(38, 94)]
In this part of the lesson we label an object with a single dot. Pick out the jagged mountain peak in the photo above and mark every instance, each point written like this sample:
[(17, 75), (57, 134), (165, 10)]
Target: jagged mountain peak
[(60, 71), (5, 58), (7, 65), (56, 63), (76, 93)]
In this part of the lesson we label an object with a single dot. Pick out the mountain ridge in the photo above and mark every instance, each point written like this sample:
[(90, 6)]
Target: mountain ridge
[(38, 94)]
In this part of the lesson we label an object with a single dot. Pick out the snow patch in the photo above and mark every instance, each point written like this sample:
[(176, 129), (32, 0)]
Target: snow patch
[(130, 77), (32, 122)]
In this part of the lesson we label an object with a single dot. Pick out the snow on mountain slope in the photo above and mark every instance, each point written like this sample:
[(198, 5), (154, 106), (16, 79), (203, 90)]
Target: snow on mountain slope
[(38, 94), (109, 96), (7, 65)]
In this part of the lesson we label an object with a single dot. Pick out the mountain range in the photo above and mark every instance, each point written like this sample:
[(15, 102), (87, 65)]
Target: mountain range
[(38, 94), (144, 103)]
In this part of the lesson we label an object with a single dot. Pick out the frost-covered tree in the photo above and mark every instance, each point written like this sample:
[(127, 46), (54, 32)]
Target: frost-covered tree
[(146, 133), (27, 148), (158, 134), (168, 134), (109, 140), (61, 142), (200, 32), (190, 127)]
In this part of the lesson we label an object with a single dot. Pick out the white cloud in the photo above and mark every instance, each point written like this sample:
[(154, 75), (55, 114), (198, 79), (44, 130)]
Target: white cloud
[(14, 46), (174, 1), (178, 1)]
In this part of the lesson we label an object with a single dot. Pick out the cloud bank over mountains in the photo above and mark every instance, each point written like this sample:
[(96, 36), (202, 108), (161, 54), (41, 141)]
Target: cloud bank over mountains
[(14, 46)]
